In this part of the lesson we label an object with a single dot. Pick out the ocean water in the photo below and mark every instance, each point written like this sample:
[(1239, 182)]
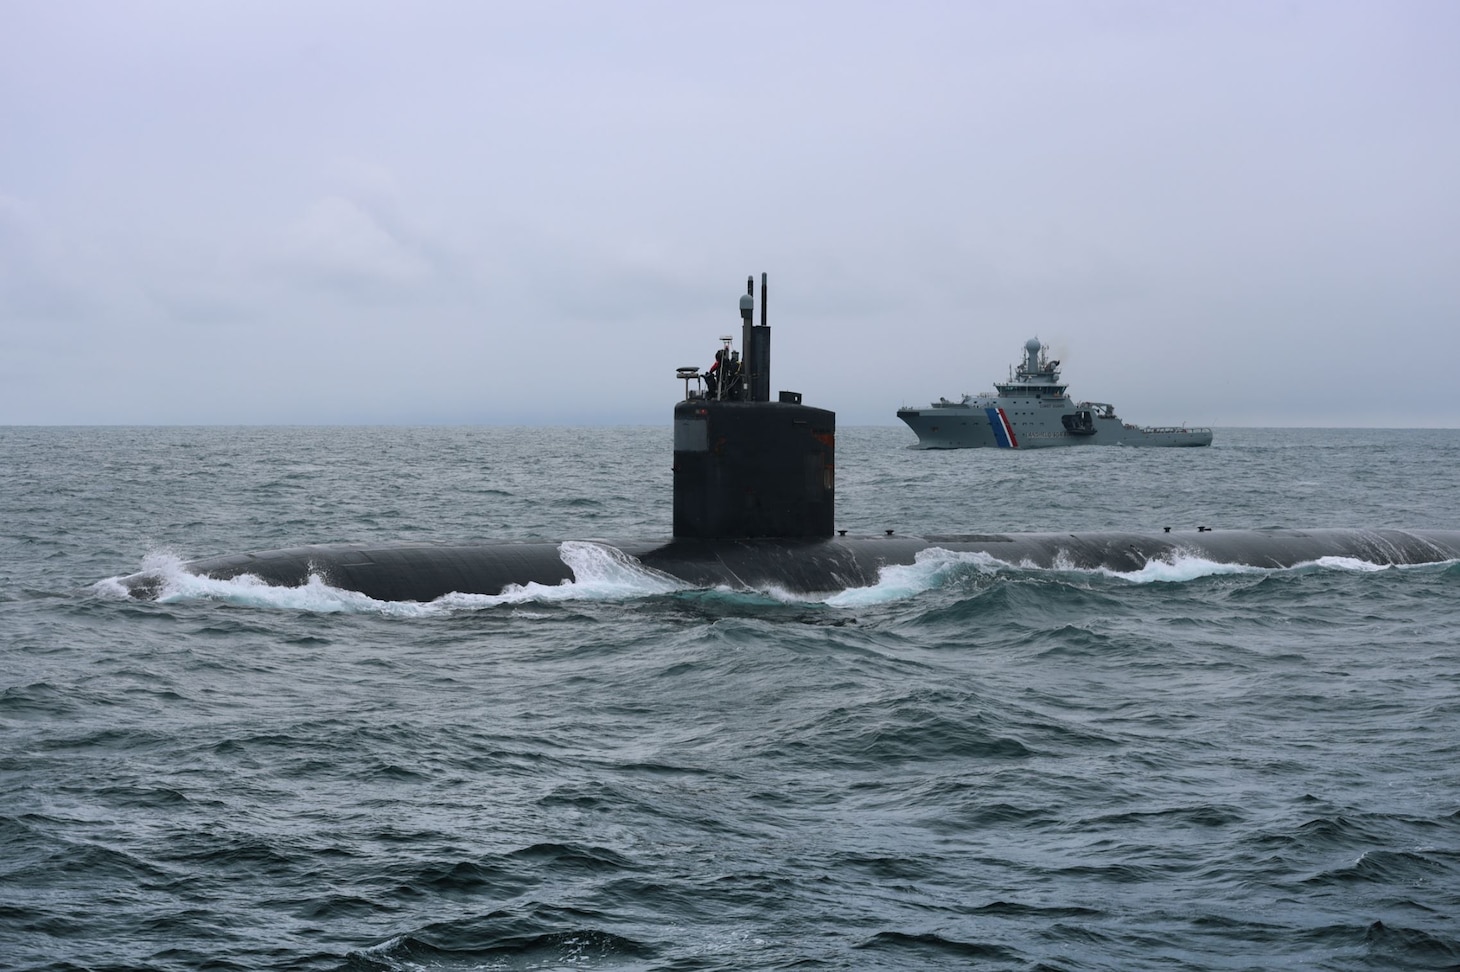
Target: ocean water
[(968, 765)]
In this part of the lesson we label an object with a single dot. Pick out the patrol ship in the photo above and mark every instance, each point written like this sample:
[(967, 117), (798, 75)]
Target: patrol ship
[(1033, 410)]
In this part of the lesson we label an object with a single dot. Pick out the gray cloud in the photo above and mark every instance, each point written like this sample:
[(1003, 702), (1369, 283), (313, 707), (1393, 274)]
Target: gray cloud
[(1230, 214)]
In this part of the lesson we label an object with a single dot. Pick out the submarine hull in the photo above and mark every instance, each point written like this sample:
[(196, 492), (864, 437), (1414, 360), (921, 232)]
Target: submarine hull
[(425, 572)]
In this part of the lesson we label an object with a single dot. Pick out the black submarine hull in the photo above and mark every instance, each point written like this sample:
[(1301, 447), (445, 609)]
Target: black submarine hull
[(425, 572)]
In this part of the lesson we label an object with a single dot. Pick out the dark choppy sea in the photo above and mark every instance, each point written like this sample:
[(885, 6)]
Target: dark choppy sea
[(967, 766)]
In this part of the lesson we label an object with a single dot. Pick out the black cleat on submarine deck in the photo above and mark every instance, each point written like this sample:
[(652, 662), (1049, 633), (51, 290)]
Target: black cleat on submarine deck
[(754, 507)]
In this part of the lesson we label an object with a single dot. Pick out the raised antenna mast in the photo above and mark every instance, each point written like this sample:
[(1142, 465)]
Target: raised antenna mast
[(747, 323)]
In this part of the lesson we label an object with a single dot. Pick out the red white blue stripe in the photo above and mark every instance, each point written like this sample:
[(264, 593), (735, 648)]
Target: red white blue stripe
[(1003, 431)]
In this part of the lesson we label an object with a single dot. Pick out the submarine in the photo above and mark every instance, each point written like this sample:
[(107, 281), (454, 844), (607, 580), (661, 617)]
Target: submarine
[(754, 484)]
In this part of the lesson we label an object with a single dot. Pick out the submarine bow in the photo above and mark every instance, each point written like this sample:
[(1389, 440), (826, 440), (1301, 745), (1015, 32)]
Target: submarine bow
[(754, 507)]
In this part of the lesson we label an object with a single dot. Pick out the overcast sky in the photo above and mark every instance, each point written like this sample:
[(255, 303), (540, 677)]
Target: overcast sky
[(533, 212)]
